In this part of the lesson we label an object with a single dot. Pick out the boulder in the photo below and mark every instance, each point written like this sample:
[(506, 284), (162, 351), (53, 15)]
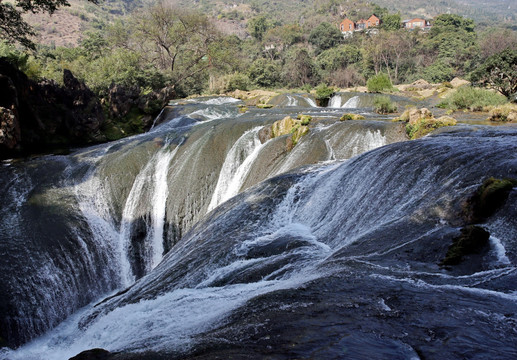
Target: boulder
[(9, 129), (457, 82), (415, 115)]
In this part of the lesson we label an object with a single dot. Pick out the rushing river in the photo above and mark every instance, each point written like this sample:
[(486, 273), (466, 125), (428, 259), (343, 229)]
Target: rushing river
[(201, 238)]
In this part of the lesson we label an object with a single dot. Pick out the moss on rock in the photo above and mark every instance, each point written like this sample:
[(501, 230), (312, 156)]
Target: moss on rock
[(350, 116), (422, 122), (471, 241), (287, 126), (489, 197), (503, 113), (305, 119)]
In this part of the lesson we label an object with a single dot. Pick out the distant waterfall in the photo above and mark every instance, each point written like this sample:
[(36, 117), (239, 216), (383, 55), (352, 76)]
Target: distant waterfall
[(335, 101), (291, 101), (236, 166), (311, 102), (352, 103)]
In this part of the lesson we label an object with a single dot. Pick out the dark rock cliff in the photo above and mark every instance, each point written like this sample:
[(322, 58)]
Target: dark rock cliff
[(44, 116)]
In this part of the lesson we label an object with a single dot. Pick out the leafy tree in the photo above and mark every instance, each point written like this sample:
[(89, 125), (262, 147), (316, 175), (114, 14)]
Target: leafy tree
[(325, 36), (300, 69), (12, 26), (175, 40), (379, 83), (499, 71), (264, 73), (391, 22), (258, 26), (339, 57), (453, 40)]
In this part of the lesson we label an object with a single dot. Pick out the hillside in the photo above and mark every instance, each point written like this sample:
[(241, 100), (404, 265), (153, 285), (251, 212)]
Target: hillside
[(66, 26)]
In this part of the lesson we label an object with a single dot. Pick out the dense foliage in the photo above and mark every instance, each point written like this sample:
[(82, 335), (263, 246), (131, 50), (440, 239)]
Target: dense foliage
[(164, 45)]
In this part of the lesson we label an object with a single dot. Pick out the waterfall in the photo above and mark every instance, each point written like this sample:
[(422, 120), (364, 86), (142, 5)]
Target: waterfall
[(335, 101), (137, 205), (236, 167), (311, 102), (291, 101), (352, 103)]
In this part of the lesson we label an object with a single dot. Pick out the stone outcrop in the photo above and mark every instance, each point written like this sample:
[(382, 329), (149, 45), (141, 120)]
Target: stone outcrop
[(37, 117), (122, 100), (421, 122)]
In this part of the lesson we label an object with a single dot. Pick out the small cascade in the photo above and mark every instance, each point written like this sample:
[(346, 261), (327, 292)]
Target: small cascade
[(291, 101), (311, 102), (351, 103), (335, 101), (236, 166), (137, 208)]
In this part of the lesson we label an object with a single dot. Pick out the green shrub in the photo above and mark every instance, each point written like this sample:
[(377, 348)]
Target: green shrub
[(323, 94), (474, 99), (384, 105), (379, 83), (306, 119), (238, 81)]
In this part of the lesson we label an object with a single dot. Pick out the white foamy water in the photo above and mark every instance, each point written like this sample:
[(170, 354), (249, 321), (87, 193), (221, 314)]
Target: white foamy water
[(236, 167), (220, 101), (351, 103), (291, 101), (335, 101), (153, 181), (168, 322)]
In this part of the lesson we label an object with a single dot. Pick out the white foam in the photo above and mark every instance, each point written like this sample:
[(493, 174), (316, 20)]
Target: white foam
[(499, 250), (236, 167)]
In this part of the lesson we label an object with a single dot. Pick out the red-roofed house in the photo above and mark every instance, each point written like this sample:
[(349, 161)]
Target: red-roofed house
[(346, 25), (416, 23), (372, 21)]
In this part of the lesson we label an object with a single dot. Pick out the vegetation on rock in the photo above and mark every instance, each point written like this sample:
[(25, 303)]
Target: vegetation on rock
[(422, 122), (350, 116), (488, 198), (473, 99), (291, 126), (323, 94), (471, 240), (505, 113), (384, 105)]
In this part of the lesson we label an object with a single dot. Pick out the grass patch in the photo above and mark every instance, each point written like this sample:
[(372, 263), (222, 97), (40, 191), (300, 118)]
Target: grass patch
[(503, 113), (384, 105), (473, 99), (349, 116), (424, 126)]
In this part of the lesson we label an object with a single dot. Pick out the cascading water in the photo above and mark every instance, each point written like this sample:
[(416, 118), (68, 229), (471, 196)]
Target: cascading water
[(335, 101), (236, 167), (346, 248), (351, 103)]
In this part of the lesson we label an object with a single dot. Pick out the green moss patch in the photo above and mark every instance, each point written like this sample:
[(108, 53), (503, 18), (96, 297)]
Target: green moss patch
[(488, 198), (471, 241), (425, 126), (349, 116), (291, 126)]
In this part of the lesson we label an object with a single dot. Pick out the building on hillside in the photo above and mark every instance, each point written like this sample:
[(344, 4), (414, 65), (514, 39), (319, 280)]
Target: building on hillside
[(373, 21), (348, 27), (416, 23)]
